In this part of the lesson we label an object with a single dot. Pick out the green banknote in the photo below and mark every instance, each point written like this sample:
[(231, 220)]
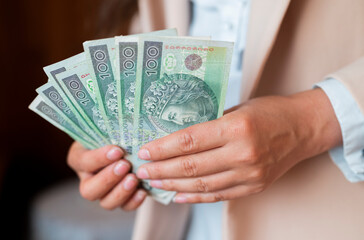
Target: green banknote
[(131, 90), (180, 82), (100, 55), (40, 107), (64, 65), (52, 72), (78, 86), (53, 98), (101, 59), (126, 62)]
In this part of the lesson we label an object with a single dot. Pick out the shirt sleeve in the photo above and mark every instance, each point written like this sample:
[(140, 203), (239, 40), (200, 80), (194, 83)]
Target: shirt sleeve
[(350, 156)]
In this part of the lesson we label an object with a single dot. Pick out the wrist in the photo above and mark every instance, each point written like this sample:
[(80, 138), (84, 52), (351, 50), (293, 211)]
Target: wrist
[(317, 125)]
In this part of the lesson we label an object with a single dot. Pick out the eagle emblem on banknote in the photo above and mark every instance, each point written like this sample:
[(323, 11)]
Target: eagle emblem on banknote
[(177, 101)]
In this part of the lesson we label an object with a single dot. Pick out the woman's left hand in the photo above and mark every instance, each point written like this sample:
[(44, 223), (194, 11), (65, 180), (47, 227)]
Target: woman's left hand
[(243, 152)]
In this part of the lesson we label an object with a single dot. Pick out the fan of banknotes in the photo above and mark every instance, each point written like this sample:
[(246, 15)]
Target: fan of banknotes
[(130, 90)]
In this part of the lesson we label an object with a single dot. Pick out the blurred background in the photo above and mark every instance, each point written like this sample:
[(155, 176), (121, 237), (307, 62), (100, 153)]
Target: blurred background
[(36, 33)]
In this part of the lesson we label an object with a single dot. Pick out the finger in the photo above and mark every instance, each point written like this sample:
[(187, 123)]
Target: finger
[(228, 194), (97, 186), (205, 184), (194, 165), (84, 175), (200, 137), (136, 200), (119, 195), (81, 159)]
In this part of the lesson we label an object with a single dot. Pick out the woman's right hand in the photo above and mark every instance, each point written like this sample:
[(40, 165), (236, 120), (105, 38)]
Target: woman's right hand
[(105, 176)]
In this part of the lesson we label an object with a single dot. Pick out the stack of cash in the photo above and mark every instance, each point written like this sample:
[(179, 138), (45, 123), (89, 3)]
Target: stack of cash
[(130, 90)]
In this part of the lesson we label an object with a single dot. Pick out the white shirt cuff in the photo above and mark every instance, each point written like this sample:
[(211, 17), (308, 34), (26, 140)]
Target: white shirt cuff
[(349, 157)]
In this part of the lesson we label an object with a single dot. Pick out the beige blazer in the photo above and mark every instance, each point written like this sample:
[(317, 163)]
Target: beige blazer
[(290, 46)]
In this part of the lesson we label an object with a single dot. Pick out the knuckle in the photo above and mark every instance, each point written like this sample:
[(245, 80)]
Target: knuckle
[(83, 162), (217, 197), (197, 198), (85, 192), (117, 195), (169, 185), (219, 127), (260, 188), (107, 206), (155, 170), (99, 160), (187, 141), (240, 160), (247, 124), (188, 166), (240, 126), (157, 150), (235, 130), (201, 185), (108, 178), (258, 175), (252, 155), (256, 189)]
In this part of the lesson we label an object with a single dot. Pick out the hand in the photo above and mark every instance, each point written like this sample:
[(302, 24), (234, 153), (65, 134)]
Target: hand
[(105, 176), (243, 152)]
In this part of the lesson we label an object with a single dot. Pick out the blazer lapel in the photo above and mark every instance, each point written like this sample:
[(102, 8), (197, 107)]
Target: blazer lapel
[(264, 22)]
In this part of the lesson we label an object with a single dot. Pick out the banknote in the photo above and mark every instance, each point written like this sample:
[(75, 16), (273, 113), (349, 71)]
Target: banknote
[(40, 107), (126, 67), (52, 97), (126, 79), (181, 82), (100, 55), (130, 90), (64, 65), (52, 71), (79, 88)]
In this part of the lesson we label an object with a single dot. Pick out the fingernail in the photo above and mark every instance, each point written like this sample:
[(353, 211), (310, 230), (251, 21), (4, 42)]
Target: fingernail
[(156, 183), (180, 199), (121, 169), (130, 183), (142, 173), (139, 196), (114, 154), (144, 154)]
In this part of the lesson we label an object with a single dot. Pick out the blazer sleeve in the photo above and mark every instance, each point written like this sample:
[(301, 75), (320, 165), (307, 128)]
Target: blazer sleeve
[(352, 77)]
